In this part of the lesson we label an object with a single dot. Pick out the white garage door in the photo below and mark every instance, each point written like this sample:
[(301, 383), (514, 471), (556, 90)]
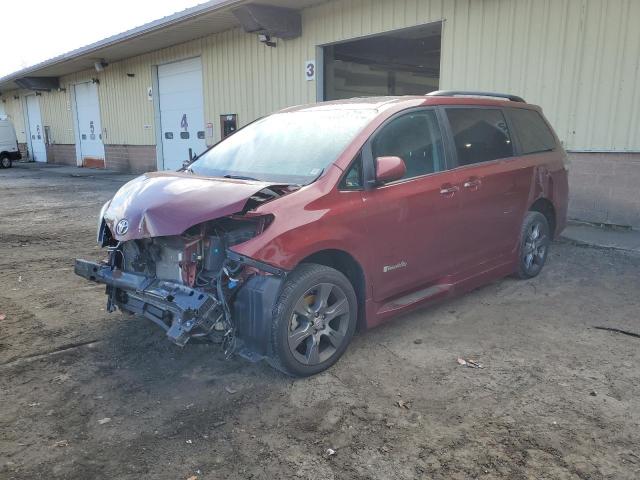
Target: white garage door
[(181, 111), (89, 127), (36, 131)]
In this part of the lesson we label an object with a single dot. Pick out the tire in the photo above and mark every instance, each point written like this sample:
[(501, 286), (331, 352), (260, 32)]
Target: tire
[(313, 321), (5, 161), (535, 240)]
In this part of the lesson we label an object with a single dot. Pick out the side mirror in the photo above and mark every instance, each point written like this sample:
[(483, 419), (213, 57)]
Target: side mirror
[(389, 169)]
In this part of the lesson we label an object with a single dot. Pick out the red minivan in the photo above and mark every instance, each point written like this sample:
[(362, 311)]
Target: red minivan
[(283, 239)]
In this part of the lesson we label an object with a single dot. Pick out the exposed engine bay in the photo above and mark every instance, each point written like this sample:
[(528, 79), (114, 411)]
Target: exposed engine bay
[(192, 285), (194, 259)]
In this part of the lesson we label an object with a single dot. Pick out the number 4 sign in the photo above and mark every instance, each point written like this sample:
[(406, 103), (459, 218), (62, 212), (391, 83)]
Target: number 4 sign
[(310, 70)]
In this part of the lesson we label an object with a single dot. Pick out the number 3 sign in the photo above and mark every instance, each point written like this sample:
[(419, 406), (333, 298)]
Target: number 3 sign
[(310, 70)]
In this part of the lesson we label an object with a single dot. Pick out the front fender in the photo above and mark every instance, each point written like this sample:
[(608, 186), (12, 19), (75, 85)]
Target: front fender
[(288, 249)]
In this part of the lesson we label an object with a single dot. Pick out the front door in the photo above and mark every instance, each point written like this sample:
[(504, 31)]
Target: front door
[(181, 111), (89, 126), (412, 221), (36, 130)]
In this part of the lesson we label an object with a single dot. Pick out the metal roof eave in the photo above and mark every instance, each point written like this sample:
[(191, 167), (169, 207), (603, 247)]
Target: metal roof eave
[(207, 18)]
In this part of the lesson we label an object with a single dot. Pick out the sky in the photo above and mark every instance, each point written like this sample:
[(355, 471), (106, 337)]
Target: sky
[(36, 30)]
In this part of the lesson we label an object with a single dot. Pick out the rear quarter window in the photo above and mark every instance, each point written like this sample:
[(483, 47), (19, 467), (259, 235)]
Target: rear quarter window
[(532, 131)]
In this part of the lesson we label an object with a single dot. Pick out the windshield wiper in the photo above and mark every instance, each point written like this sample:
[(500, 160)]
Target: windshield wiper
[(240, 177)]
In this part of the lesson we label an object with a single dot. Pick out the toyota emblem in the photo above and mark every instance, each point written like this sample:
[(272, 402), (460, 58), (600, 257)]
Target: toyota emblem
[(123, 227)]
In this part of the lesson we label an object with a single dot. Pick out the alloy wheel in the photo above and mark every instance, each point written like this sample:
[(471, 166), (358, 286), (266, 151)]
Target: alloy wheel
[(536, 245), (319, 324)]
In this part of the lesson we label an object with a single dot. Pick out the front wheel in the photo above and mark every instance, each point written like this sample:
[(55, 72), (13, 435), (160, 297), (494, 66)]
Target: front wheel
[(5, 161), (313, 322), (535, 240)]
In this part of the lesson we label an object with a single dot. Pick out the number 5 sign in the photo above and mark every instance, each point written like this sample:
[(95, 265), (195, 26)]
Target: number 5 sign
[(310, 70)]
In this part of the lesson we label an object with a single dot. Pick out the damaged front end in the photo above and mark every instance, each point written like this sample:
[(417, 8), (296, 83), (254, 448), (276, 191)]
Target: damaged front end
[(193, 285)]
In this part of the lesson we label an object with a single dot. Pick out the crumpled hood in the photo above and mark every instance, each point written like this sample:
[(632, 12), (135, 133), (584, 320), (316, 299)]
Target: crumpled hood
[(162, 204)]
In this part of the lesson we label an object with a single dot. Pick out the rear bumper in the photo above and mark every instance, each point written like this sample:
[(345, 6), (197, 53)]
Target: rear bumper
[(15, 155), (561, 201), (181, 311)]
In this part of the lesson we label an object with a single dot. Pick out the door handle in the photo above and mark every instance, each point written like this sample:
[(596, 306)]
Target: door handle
[(449, 190), (472, 183)]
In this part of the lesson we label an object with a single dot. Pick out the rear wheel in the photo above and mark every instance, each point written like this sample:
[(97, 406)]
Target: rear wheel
[(535, 240), (5, 161), (314, 320)]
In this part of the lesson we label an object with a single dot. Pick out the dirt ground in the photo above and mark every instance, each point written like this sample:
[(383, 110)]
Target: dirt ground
[(556, 399)]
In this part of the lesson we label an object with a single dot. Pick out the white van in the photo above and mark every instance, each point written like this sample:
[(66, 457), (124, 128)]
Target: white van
[(8, 144)]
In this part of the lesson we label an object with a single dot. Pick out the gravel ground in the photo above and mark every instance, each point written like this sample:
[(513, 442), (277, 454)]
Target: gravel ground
[(86, 394)]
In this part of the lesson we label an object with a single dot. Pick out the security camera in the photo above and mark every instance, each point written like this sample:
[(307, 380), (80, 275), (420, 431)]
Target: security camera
[(266, 39), (100, 66)]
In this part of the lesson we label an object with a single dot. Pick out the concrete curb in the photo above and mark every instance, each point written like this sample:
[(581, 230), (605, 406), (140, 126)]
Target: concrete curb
[(603, 237)]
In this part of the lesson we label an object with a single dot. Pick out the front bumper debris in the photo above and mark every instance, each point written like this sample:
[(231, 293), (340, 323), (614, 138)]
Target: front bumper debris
[(181, 311)]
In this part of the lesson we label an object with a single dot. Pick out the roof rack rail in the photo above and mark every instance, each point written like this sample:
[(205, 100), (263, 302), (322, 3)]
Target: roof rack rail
[(459, 93)]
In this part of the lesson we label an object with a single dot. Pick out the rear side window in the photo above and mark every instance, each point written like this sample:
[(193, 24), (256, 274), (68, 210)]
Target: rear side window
[(532, 131), (415, 137), (480, 134)]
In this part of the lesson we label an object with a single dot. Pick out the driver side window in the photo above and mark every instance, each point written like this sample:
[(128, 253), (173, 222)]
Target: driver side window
[(416, 138)]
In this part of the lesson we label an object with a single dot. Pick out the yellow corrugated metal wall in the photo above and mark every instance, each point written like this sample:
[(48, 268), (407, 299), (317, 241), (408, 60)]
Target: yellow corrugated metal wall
[(252, 80), (578, 59), (55, 110), (13, 109), (127, 113)]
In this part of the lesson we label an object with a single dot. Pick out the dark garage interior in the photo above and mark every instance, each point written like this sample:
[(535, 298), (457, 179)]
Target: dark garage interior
[(401, 62)]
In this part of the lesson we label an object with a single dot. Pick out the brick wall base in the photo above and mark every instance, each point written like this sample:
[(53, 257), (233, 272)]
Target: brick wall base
[(604, 188), (130, 158), (89, 162), (61, 154)]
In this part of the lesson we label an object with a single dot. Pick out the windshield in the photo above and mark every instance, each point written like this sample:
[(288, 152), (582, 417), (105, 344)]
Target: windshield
[(291, 148)]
